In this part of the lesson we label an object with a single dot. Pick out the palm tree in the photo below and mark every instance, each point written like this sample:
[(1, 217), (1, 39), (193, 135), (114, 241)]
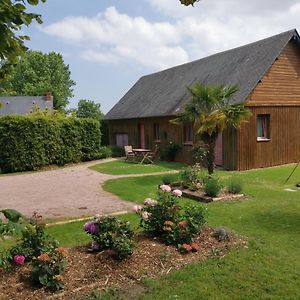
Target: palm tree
[(210, 111)]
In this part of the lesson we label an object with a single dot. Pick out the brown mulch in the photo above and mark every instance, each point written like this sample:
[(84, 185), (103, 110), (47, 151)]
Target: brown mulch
[(90, 271)]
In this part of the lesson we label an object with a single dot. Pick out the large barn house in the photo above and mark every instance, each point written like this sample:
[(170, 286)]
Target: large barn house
[(267, 73)]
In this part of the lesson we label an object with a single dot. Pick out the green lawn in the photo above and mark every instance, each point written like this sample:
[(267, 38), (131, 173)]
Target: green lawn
[(270, 218), (122, 167)]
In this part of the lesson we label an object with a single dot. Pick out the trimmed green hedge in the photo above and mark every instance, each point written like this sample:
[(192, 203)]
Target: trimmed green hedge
[(30, 142)]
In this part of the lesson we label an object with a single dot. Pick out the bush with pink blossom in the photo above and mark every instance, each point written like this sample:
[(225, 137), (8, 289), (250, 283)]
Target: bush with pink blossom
[(167, 219), (19, 260), (177, 193)]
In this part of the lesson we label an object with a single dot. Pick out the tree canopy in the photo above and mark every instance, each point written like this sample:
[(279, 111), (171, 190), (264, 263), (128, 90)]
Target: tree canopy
[(39, 73), (13, 15), (89, 109), (210, 111)]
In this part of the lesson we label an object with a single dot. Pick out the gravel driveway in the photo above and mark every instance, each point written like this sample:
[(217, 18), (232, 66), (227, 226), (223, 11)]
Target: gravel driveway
[(73, 191)]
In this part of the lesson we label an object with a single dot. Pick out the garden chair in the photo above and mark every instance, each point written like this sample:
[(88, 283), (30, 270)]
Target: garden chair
[(129, 153), (152, 156)]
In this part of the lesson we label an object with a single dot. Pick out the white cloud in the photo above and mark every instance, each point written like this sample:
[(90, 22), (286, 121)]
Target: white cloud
[(111, 37), (189, 32), (213, 26)]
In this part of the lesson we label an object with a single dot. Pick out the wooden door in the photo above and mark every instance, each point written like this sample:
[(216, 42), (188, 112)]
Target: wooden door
[(121, 139)]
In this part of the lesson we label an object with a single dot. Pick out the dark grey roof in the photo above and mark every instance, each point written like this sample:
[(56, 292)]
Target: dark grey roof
[(22, 105), (163, 93)]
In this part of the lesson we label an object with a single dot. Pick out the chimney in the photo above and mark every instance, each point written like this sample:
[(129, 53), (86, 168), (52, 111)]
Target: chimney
[(49, 96)]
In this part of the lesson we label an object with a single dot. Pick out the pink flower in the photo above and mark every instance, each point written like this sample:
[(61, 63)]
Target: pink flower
[(137, 208), (146, 215), (19, 260), (150, 202), (177, 193), (165, 188)]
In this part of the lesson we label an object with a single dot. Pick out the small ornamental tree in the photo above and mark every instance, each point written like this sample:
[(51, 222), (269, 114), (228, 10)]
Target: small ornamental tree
[(210, 111)]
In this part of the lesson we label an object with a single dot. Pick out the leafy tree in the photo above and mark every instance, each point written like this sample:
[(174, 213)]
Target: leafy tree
[(39, 73), (89, 109), (188, 2), (13, 16), (210, 111)]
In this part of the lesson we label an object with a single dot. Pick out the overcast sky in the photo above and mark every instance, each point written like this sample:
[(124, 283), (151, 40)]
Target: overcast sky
[(109, 44)]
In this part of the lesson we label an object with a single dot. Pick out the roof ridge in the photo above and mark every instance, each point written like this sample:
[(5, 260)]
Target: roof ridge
[(294, 31), (159, 94)]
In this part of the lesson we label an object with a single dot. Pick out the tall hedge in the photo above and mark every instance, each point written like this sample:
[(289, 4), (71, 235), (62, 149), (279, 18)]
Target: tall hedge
[(30, 142)]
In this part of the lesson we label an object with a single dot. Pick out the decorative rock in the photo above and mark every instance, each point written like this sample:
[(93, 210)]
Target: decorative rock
[(221, 234)]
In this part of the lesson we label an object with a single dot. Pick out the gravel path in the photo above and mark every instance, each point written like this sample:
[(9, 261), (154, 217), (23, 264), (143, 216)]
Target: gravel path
[(72, 192)]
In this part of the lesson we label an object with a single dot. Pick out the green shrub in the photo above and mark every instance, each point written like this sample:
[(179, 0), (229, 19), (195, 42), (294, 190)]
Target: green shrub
[(117, 151), (111, 233), (46, 269), (235, 185), (5, 259), (169, 152), (166, 219), (212, 186), (30, 142), (191, 176), (104, 133), (33, 240), (200, 155), (105, 152), (166, 179), (13, 223)]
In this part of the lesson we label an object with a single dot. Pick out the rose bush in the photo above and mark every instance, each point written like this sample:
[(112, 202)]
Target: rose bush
[(165, 218), (47, 269)]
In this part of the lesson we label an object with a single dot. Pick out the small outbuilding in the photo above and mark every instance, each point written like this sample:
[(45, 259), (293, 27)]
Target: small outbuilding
[(23, 105), (267, 73)]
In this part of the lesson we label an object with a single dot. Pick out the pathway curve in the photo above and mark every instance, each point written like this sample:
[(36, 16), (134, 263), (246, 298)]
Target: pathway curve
[(73, 191)]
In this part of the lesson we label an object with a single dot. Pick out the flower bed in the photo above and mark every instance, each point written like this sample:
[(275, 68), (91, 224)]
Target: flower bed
[(196, 184), (173, 236), (86, 272), (199, 195)]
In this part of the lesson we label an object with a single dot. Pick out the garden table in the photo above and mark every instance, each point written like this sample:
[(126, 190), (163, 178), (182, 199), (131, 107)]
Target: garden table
[(144, 154)]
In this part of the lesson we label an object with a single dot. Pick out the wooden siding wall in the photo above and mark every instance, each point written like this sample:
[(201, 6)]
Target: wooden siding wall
[(283, 146), (278, 94), (281, 84), (168, 133)]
